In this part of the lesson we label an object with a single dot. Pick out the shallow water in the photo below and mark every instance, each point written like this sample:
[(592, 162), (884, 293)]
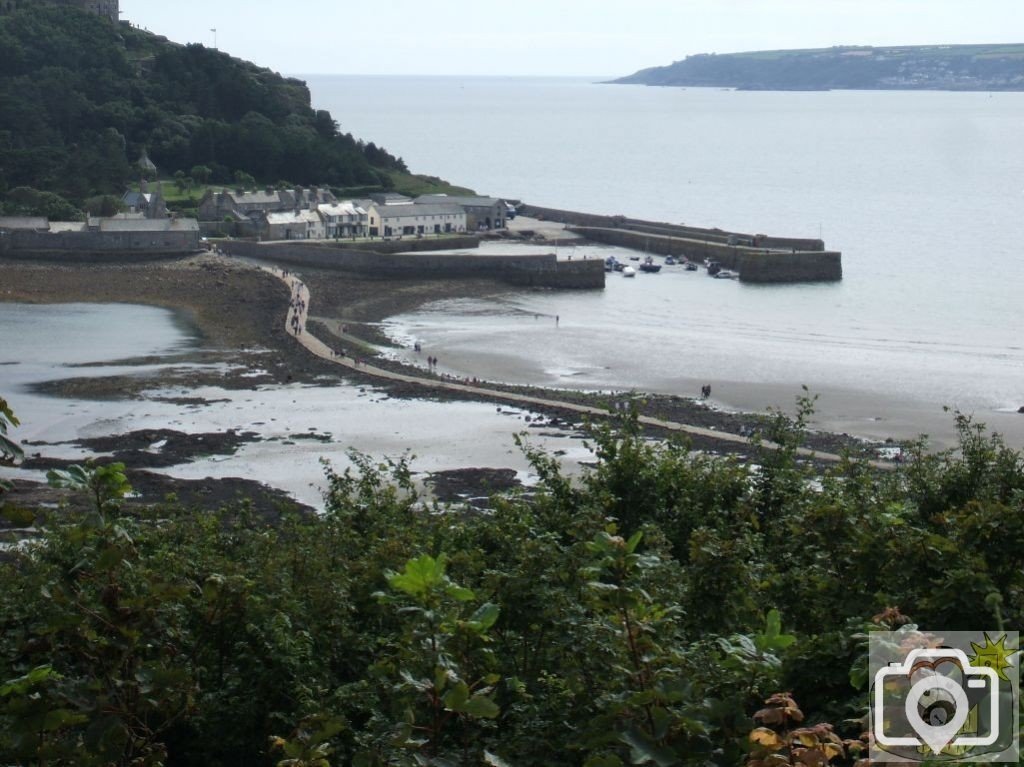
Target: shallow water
[(673, 331), (36, 340)]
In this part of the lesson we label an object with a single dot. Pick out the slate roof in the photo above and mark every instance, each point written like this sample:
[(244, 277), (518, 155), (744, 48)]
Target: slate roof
[(413, 210), (148, 225), (293, 217), (347, 208), (470, 201)]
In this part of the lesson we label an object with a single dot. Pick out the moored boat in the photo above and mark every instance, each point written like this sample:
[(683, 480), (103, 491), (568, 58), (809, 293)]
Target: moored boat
[(629, 271), (649, 266)]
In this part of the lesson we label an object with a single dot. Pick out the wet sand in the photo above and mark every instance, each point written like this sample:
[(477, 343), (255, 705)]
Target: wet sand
[(240, 311)]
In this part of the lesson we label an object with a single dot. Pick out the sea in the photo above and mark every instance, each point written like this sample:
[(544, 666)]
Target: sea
[(923, 192)]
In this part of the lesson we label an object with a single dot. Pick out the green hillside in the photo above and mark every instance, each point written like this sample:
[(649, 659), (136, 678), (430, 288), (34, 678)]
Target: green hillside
[(938, 67), (82, 99)]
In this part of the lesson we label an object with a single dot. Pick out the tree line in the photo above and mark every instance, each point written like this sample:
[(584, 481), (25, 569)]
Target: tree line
[(84, 99)]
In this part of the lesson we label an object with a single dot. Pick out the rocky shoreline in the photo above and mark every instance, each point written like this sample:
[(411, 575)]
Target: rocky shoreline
[(240, 311)]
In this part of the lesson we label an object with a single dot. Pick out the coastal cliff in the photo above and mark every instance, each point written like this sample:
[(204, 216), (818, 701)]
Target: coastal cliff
[(932, 67)]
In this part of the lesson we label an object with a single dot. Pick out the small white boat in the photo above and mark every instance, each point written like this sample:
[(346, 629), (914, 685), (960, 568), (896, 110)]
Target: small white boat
[(725, 274), (629, 271)]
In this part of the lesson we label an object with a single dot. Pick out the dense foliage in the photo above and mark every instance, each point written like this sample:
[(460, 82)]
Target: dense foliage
[(641, 615), (82, 99)]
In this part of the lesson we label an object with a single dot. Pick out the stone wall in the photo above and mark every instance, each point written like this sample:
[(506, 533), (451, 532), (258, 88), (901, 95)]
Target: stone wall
[(673, 230), (97, 246), (541, 270), (753, 264), (799, 266)]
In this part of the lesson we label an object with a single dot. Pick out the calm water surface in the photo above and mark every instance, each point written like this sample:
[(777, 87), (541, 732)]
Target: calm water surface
[(923, 193)]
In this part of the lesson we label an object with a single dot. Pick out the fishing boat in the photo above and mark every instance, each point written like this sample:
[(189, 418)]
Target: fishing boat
[(649, 266), (670, 261)]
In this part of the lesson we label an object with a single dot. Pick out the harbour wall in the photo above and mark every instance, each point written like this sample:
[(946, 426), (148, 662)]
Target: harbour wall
[(542, 270), (577, 218), (759, 265), (96, 247)]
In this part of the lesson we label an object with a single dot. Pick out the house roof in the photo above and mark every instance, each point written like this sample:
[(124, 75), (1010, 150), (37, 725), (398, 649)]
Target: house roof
[(148, 225), (411, 210), (472, 201), (293, 217), (347, 208), (259, 197), (24, 222), (136, 199)]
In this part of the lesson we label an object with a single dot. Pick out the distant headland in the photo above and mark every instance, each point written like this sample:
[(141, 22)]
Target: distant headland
[(928, 67)]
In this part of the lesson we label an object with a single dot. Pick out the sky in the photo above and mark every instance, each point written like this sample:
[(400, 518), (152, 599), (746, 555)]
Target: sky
[(554, 37)]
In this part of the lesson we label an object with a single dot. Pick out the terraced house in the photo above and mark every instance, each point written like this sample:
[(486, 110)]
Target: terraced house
[(415, 219)]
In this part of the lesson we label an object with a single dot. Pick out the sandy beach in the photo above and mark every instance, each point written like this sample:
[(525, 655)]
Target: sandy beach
[(240, 311)]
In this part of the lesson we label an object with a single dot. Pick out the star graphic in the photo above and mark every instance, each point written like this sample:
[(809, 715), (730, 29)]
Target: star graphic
[(994, 655)]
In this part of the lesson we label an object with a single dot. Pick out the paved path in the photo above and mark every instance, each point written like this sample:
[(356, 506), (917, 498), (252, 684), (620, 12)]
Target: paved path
[(300, 294)]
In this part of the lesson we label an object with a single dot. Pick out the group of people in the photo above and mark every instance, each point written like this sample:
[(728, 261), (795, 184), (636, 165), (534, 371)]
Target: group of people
[(297, 305)]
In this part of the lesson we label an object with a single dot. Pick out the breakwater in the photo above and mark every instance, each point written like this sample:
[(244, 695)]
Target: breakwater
[(542, 270), (757, 257)]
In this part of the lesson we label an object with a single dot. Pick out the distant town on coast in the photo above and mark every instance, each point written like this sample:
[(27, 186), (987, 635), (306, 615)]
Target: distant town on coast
[(863, 67)]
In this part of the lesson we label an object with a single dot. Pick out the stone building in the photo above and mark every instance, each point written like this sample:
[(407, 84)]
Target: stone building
[(108, 9), (239, 204), (151, 204), (415, 219), (343, 219), (293, 225), (482, 213)]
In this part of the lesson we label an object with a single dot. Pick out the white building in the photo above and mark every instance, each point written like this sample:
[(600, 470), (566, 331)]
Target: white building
[(414, 219), (294, 225), (343, 219)]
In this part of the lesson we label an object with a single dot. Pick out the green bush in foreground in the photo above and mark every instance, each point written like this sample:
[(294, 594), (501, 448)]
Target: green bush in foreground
[(641, 615)]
